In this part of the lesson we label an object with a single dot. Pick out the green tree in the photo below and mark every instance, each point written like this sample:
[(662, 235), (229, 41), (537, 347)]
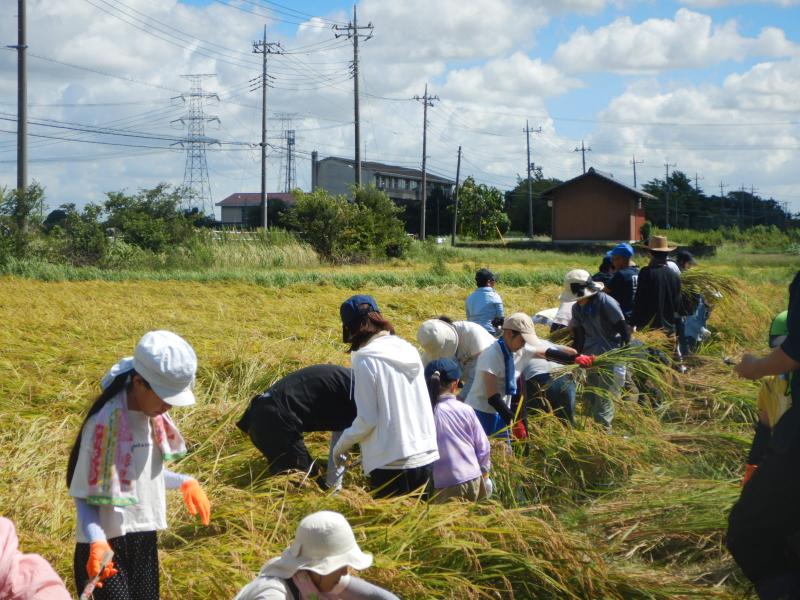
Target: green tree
[(79, 235), (151, 219), (20, 214), (481, 210), (517, 203), (381, 220)]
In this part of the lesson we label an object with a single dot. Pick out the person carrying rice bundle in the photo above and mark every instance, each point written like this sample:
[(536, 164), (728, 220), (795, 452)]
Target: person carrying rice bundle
[(316, 566), (116, 473), (764, 525), (462, 470)]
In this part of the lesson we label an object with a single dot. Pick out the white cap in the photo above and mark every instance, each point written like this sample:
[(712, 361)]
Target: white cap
[(439, 339), (323, 543), (168, 364)]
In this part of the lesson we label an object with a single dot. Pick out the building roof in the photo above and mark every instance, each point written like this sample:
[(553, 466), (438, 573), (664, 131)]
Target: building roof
[(254, 198), (592, 172), (393, 170)]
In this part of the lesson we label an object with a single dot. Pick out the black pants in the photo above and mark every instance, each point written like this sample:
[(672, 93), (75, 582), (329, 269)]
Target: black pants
[(281, 445), (764, 524), (136, 560), (387, 483)]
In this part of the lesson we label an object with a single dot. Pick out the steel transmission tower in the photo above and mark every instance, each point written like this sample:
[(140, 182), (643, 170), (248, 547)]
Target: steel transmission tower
[(291, 172), (197, 187)]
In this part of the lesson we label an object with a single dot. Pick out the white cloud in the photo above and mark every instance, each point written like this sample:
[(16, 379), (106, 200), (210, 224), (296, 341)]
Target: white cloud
[(689, 41), (722, 3)]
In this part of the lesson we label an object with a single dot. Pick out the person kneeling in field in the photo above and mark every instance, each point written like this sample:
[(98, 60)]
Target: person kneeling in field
[(25, 576), (498, 369), (115, 471), (316, 398), (462, 340), (394, 419), (316, 566), (462, 470)]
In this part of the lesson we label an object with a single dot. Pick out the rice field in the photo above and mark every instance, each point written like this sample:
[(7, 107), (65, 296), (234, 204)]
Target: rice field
[(638, 514)]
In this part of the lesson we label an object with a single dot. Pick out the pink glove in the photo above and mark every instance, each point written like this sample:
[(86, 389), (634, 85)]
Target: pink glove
[(584, 360)]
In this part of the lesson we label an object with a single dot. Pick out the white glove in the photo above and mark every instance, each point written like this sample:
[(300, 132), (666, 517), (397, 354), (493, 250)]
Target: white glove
[(488, 485)]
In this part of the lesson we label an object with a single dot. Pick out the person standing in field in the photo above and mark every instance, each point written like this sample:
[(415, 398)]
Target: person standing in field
[(26, 576), (462, 470), (317, 565), (315, 398), (115, 471), (464, 340), (484, 305), (394, 420), (598, 326), (764, 525), (657, 303), (623, 283)]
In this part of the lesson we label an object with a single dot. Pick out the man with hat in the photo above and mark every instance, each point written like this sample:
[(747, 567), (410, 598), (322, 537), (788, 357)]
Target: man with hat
[(462, 340), (622, 285), (484, 305), (598, 325), (657, 303)]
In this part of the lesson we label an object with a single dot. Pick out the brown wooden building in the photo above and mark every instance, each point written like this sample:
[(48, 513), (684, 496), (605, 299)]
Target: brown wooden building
[(596, 207)]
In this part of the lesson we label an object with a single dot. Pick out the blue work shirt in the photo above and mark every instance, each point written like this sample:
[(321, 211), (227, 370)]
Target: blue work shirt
[(483, 305), (599, 318)]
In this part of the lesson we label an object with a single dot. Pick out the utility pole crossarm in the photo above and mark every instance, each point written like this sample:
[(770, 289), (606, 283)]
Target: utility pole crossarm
[(352, 31), (583, 150), (635, 162)]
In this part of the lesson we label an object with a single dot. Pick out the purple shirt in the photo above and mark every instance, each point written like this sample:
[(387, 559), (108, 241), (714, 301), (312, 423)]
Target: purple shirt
[(463, 446)]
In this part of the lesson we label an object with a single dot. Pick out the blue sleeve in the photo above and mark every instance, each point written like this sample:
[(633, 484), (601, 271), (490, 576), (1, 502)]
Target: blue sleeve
[(89, 520), (611, 309), (498, 305)]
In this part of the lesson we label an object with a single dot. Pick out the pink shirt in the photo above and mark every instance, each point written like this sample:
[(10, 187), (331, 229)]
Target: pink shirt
[(463, 446), (25, 576)]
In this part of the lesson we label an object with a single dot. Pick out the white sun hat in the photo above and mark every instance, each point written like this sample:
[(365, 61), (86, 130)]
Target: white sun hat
[(324, 542), (581, 278), (439, 339), (168, 364)]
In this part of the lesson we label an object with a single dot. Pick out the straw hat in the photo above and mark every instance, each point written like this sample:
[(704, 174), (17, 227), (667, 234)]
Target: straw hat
[(659, 243), (323, 543)]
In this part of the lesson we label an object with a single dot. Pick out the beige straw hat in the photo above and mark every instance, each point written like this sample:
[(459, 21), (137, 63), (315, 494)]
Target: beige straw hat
[(659, 243)]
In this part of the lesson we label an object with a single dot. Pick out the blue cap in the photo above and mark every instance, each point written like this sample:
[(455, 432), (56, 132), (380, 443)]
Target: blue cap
[(351, 308), (447, 367), (623, 249)]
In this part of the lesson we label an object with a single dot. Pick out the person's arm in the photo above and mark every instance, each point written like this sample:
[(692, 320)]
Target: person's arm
[(495, 398), (173, 481), (578, 337), (562, 354), (776, 362), (365, 382), (498, 307), (624, 331), (483, 451), (89, 520), (760, 445)]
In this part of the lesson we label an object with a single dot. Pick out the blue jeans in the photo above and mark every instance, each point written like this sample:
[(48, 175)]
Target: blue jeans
[(493, 425), (603, 388), (543, 393)]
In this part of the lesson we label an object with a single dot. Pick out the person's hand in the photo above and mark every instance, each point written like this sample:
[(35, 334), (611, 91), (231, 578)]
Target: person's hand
[(518, 431), (584, 360), (340, 459), (749, 470), (748, 367), (96, 552), (196, 500), (488, 485)]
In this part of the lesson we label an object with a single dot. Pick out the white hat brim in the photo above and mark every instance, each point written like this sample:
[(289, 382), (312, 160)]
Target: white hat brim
[(286, 565), (184, 397)]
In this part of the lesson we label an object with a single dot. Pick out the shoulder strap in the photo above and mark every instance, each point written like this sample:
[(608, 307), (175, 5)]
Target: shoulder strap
[(293, 588)]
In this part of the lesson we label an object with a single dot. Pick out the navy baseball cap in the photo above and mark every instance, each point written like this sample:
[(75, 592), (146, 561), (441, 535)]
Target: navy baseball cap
[(484, 276), (623, 249), (351, 308), (448, 369)]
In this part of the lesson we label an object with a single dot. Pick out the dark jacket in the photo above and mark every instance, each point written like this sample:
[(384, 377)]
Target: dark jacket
[(787, 431), (658, 301)]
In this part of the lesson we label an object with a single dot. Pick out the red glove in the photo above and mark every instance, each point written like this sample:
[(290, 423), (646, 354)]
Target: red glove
[(96, 552), (584, 360), (196, 500), (518, 431), (749, 470)]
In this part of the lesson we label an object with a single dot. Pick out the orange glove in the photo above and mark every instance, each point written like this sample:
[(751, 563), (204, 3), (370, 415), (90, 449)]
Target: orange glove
[(96, 552), (748, 473), (518, 431), (196, 500), (584, 360)]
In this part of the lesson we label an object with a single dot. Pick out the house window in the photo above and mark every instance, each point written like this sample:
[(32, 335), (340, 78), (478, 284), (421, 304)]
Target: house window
[(402, 184), (412, 185)]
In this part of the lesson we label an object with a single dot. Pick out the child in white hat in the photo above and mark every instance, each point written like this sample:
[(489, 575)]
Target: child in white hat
[(316, 566), (116, 474)]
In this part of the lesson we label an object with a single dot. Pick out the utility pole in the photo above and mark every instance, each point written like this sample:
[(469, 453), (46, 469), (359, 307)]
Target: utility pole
[(583, 152), (752, 206), (696, 185), (22, 99), (527, 131), (635, 162), (722, 187), (667, 186), (741, 206), (265, 48), (455, 208), (352, 32), (426, 102)]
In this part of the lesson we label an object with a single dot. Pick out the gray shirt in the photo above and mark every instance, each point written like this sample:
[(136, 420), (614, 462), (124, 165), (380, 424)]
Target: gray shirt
[(599, 318)]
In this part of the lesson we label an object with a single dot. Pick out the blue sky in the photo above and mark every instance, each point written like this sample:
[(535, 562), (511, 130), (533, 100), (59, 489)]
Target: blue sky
[(713, 85)]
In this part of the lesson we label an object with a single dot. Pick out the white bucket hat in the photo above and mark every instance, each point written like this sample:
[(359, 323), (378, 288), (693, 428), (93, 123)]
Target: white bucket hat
[(439, 339), (581, 277), (323, 543), (168, 364)]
